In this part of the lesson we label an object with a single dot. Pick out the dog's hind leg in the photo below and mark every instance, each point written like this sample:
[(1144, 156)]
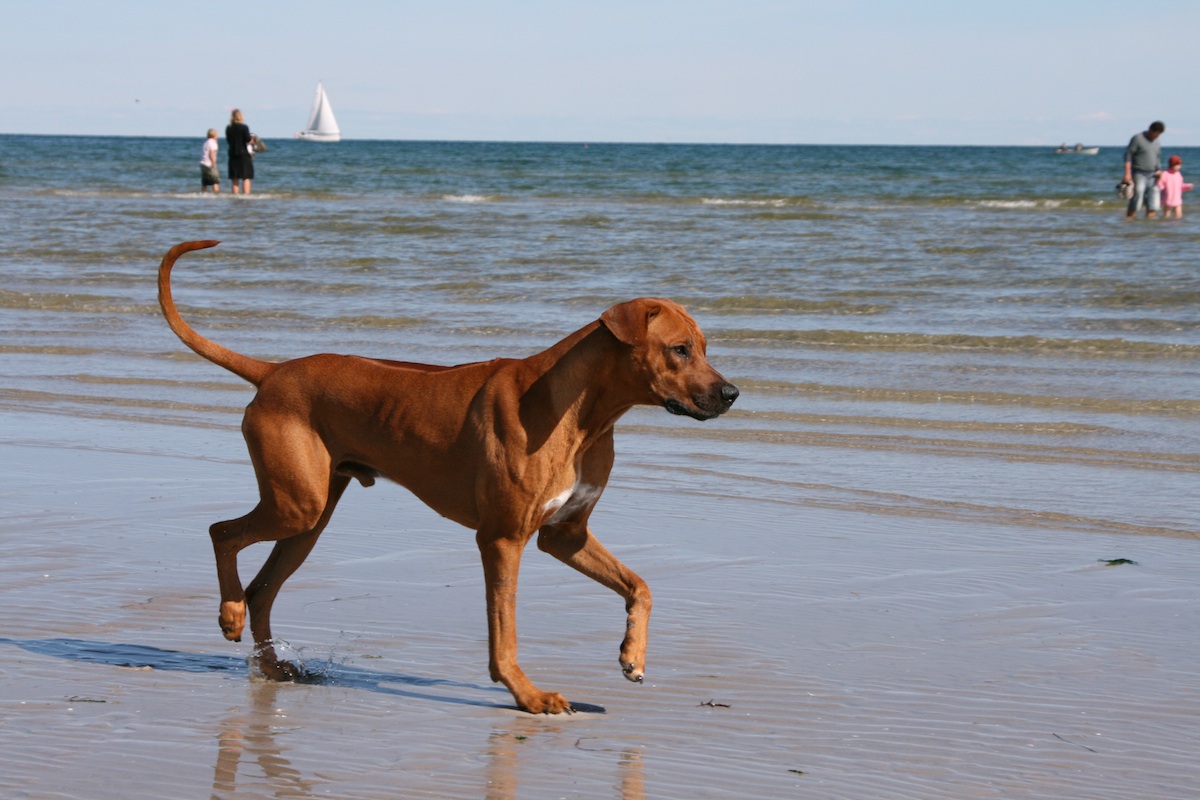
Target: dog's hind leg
[(297, 491), (228, 539), (226, 545), (286, 557)]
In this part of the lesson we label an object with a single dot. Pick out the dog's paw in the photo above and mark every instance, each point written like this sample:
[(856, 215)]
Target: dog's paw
[(232, 620), (281, 671), (632, 672), (547, 703), (266, 664)]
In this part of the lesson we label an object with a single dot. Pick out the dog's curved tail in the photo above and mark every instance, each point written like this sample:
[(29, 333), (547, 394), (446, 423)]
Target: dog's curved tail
[(250, 369)]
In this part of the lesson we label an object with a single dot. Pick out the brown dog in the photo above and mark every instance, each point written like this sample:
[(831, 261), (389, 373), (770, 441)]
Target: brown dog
[(509, 448)]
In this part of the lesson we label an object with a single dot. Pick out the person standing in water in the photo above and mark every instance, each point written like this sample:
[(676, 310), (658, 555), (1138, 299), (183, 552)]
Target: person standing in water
[(241, 163), (1143, 163), (209, 174)]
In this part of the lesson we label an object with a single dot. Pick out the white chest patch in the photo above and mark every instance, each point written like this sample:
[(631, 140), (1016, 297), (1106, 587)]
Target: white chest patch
[(565, 503)]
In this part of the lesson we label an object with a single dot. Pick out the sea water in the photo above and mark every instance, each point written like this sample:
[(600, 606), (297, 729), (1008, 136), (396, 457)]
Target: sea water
[(970, 334)]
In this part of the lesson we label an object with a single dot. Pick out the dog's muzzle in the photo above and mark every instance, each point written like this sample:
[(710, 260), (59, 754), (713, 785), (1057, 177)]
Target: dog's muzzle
[(705, 406)]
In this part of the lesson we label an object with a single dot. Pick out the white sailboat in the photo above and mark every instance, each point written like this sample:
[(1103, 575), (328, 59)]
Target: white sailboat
[(322, 127)]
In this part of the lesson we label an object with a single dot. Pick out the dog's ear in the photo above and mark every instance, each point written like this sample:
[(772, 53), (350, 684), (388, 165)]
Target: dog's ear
[(629, 321)]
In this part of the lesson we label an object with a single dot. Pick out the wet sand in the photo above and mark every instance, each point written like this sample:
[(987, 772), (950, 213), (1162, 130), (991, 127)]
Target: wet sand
[(795, 651)]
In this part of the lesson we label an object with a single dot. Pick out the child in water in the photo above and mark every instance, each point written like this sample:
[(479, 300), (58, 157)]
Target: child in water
[(210, 175), (1171, 184)]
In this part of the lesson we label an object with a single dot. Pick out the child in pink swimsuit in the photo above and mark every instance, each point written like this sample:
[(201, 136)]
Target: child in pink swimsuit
[(1171, 184)]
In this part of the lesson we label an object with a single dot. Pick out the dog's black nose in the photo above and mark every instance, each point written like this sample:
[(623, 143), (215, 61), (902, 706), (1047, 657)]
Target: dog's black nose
[(729, 393)]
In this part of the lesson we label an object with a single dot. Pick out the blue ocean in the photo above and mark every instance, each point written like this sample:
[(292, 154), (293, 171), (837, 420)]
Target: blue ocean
[(962, 332)]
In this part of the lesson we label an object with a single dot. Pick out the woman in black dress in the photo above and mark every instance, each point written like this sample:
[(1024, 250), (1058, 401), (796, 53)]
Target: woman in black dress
[(241, 164)]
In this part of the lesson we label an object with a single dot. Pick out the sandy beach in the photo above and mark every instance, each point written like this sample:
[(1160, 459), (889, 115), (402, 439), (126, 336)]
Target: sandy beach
[(886, 657)]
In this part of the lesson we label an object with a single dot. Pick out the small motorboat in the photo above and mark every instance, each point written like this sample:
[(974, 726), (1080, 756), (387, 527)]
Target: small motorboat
[(1078, 149)]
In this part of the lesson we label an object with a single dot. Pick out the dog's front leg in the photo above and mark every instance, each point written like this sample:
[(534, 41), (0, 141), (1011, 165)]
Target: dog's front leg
[(501, 562), (574, 545)]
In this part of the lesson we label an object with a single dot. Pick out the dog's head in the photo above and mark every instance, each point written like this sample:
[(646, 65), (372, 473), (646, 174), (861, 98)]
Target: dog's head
[(670, 357)]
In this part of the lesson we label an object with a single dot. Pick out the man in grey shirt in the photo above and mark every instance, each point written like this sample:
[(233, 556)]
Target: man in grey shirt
[(1143, 163)]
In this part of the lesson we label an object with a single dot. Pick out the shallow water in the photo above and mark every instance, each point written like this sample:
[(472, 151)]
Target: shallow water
[(965, 381), (958, 330)]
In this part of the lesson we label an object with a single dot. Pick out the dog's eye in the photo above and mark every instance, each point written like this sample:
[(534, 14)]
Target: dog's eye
[(681, 350)]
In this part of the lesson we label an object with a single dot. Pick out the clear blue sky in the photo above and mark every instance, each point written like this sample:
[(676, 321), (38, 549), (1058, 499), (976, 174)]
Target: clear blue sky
[(1038, 72)]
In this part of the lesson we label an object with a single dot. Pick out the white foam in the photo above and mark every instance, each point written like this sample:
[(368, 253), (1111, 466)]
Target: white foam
[(466, 198), (721, 201), (1020, 203)]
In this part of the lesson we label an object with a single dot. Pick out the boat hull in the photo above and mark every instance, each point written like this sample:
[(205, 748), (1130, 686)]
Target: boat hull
[(312, 136)]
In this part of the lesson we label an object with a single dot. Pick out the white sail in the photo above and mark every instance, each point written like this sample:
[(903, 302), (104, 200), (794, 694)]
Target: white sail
[(322, 126)]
